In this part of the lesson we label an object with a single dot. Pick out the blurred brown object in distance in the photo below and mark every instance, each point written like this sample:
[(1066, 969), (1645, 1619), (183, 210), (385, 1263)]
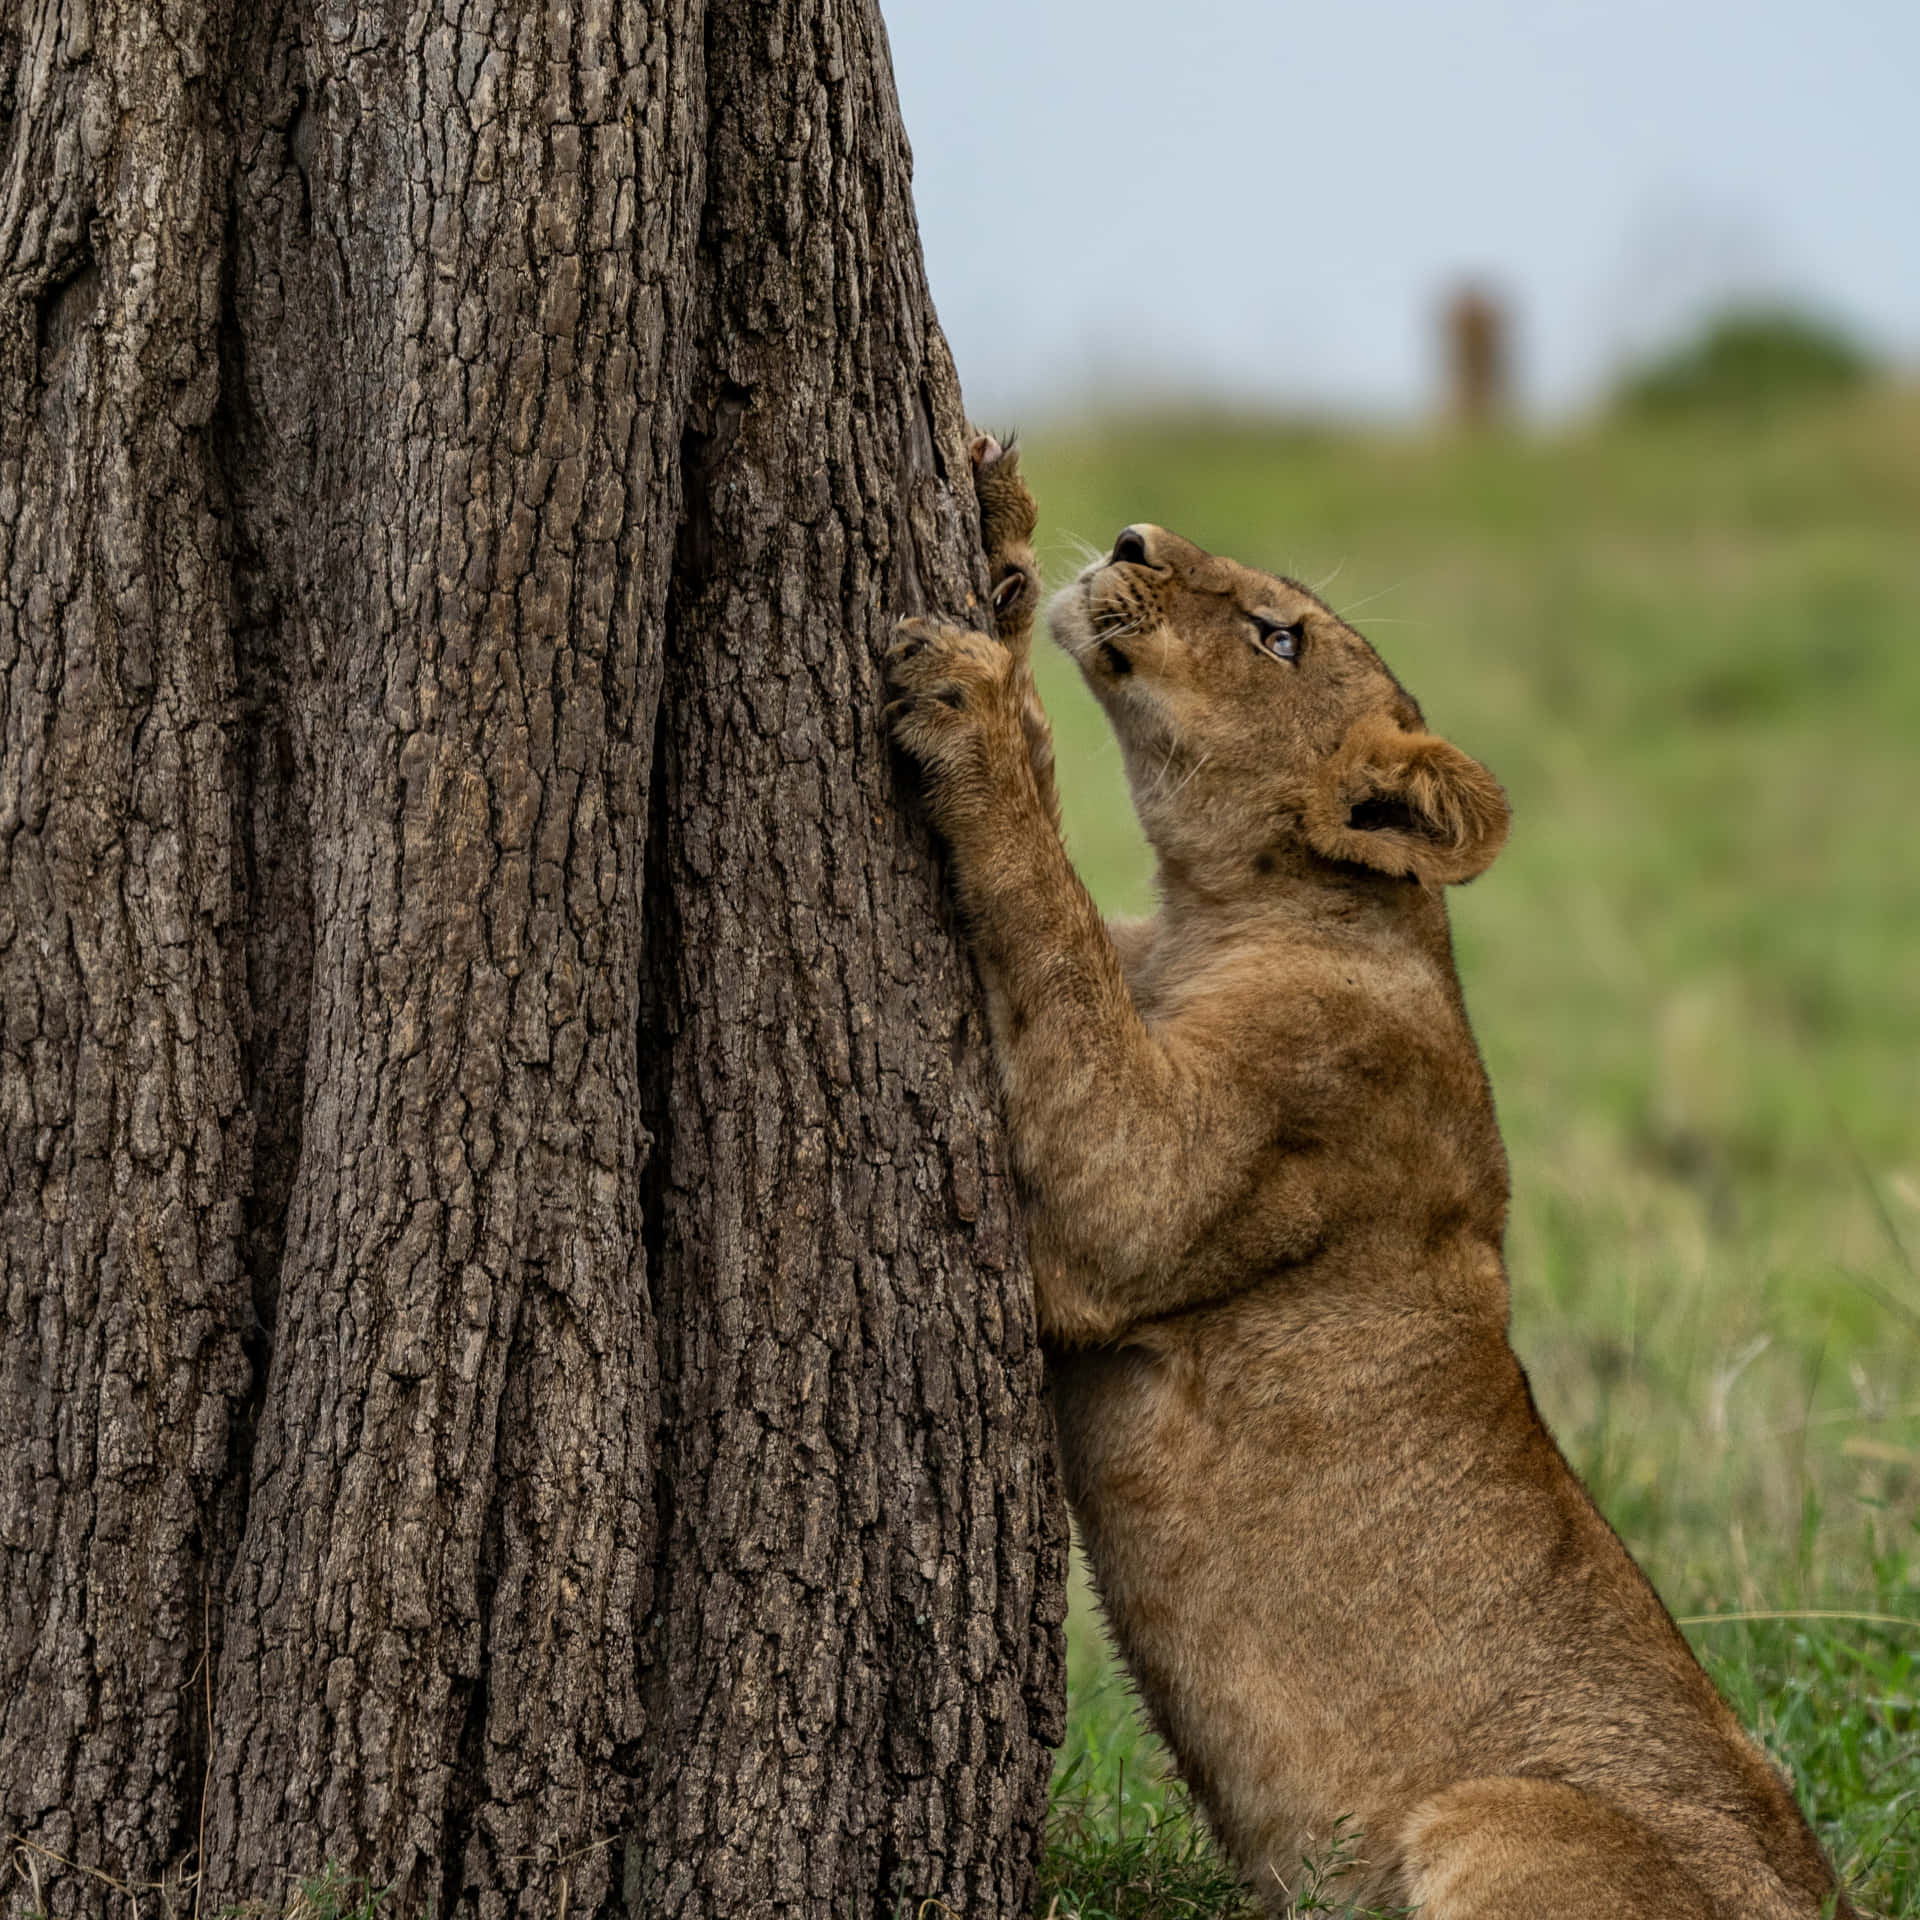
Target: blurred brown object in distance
[(1477, 359)]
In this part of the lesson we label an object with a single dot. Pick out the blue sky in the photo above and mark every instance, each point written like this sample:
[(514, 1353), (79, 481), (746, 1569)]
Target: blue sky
[(1235, 198)]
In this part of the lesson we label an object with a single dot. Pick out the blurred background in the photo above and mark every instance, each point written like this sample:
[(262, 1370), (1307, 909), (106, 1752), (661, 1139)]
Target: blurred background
[(1237, 200), (1573, 352)]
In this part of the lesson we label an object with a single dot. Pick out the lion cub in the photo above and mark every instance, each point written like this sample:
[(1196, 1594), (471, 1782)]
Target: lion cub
[(1265, 1191)]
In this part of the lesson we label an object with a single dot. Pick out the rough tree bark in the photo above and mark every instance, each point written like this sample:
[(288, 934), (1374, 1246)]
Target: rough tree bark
[(519, 1375)]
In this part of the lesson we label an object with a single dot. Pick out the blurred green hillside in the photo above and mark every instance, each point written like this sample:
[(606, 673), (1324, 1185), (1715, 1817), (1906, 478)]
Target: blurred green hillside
[(1691, 650), (1747, 361)]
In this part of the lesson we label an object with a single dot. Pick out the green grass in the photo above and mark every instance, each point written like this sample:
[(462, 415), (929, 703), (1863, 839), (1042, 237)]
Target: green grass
[(32, 1872), (1692, 652), (332, 1896)]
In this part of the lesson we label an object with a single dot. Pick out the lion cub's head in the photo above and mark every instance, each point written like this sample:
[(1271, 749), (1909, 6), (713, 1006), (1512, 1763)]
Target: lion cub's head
[(1254, 722)]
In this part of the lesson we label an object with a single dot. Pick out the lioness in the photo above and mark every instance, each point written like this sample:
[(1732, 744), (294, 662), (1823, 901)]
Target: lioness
[(1265, 1191)]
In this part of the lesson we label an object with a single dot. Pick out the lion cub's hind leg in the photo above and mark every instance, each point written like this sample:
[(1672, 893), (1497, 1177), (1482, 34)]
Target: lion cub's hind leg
[(1539, 1850), (1007, 520)]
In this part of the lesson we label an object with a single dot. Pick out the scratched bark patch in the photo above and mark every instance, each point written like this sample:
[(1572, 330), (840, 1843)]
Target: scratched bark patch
[(519, 1371)]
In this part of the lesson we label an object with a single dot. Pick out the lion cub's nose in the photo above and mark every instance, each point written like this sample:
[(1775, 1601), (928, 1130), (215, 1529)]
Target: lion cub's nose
[(1130, 548)]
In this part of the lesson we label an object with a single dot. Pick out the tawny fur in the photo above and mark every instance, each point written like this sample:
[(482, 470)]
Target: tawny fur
[(1346, 1564)]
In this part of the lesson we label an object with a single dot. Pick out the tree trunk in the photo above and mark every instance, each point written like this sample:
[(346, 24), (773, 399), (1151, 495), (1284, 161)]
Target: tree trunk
[(849, 1538), (520, 1375)]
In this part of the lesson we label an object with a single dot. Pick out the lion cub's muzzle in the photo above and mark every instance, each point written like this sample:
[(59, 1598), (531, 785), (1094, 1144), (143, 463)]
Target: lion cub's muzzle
[(1116, 619)]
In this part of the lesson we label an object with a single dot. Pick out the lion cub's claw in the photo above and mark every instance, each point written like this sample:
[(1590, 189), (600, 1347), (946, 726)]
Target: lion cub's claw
[(1007, 520), (950, 681), (932, 659)]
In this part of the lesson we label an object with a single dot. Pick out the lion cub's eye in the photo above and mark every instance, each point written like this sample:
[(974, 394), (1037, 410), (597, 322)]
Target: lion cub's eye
[(1282, 638)]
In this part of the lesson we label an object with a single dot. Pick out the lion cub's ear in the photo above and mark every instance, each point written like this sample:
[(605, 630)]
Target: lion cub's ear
[(1408, 804)]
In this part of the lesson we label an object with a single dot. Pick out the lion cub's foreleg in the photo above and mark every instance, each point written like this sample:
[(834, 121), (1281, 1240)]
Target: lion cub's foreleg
[(1008, 517), (1109, 1124)]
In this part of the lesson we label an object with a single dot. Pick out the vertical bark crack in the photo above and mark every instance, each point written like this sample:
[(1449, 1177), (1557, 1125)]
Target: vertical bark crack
[(67, 303), (272, 941)]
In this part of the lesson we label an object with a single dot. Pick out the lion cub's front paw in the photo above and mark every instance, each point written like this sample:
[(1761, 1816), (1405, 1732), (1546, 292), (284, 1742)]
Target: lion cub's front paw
[(1007, 520), (956, 700)]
